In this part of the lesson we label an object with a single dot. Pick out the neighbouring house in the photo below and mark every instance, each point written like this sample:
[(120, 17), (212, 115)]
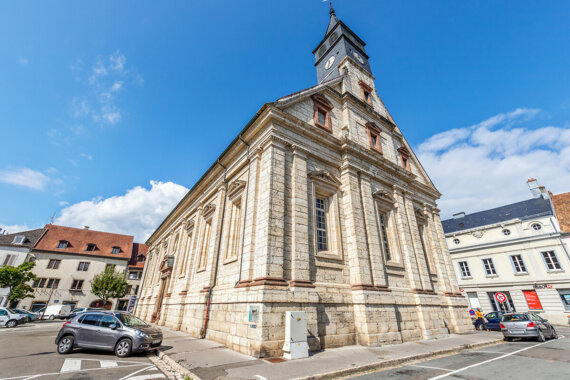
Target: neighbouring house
[(320, 205), (517, 250), (68, 258), (14, 249), (134, 274)]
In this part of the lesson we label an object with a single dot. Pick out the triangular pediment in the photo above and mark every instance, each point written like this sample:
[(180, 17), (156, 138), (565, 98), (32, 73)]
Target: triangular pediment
[(324, 176)]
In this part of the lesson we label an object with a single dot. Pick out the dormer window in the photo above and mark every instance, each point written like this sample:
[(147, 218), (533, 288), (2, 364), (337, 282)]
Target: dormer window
[(63, 244), (374, 137), (19, 239), (322, 108), (91, 247), (404, 158), (141, 258), (365, 93), (115, 250)]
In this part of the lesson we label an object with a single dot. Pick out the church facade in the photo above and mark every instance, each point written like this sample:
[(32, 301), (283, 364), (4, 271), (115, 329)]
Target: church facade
[(319, 204)]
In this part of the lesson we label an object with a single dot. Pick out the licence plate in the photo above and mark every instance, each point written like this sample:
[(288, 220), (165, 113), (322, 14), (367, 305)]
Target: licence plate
[(516, 331), (155, 341)]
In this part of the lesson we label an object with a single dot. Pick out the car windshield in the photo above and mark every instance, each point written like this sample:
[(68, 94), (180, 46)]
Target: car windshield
[(130, 320), (15, 311), (515, 317)]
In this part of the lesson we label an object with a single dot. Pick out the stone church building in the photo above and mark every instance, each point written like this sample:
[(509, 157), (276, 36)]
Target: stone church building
[(319, 204)]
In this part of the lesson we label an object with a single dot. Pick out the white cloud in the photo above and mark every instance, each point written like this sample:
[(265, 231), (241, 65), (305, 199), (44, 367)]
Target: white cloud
[(63, 203), (24, 177), (24, 61), (13, 228), (138, 212), (117, 61), (87, 156), (486, 165)]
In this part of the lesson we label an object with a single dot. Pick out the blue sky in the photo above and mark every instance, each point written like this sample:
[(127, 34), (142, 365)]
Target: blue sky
[(97, 100)]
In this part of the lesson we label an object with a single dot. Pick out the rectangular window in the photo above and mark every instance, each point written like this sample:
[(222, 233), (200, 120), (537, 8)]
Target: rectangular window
[(42, 283), (565, 297), (19, 239), (384, 235), (205, 245), (489, 267), (464, 268), (234, 230), (9, 260), (321, 117), (91, 247), (518, 264), (53, 264), (115, 250), (83, 266), (132, 276), (52, 283), (321, 223), (77, 285), (551, 260), (63, 244), (110, 267)]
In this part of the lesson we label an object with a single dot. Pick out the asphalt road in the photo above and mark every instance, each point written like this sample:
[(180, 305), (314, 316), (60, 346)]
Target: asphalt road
[(510, 360), (29, 352)]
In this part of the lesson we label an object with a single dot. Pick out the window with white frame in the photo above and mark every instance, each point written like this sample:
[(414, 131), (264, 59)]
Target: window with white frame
[(551, 260), (321, 223), (518, 263), (19, 239), (489, 267), (9, 260), (464, 269)]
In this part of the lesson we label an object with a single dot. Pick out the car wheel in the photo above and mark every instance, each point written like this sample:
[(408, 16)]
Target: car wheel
[(554, 334), (123, 348), (11, 323), (51, 317), (65, 345), (541, 337)]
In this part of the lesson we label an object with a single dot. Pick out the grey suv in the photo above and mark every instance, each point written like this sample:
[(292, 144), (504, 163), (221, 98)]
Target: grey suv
[(117, 331)]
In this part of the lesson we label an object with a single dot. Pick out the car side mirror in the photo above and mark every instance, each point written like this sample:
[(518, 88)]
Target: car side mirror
[(113, 326)]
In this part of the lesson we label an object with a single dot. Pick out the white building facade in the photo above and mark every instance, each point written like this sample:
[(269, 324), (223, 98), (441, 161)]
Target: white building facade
[(517, 250)]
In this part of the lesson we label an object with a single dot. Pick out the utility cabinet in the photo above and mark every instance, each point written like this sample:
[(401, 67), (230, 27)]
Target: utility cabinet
[(295, 346)]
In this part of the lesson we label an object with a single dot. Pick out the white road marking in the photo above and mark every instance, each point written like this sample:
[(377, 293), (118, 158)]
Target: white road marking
[(58, 373), (492, 352), (148, 377), (70, 365), (490, 360), (426, 366), (259, 377), (108, 363), (138, 371)]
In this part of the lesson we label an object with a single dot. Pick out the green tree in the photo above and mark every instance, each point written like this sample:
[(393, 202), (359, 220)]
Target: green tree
[(109, 284), (16, 278)]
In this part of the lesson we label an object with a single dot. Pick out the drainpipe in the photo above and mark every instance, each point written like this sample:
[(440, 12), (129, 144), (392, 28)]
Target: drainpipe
[(209, 299), (244, 209)]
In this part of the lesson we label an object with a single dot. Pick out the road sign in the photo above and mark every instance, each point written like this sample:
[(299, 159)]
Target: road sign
[(471, 312), (501, 297)]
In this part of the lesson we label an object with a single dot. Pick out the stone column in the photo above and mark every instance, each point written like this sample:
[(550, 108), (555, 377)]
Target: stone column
[(416, 244), (357, 247), (269, 240), (372, 232), (300, 273), (217, 229), (437, 253)]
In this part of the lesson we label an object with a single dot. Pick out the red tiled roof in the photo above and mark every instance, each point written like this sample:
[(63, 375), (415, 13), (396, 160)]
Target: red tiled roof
[(138, 249), (561, 204), (78, 239)]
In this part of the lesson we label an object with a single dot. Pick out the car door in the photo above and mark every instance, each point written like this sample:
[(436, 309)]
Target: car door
[(492, 320), (107, 336), (88, 330), (542, 324), (3, 317)]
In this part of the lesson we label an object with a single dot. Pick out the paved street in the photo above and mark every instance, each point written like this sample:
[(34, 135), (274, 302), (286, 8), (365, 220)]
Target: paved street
[(511, 360), (29, 351)]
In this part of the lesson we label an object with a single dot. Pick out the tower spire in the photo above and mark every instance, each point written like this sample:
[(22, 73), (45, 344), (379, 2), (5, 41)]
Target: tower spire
[(331, 12)]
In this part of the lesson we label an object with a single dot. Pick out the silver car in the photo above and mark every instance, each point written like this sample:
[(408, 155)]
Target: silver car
[(526, 325), (117, 331)]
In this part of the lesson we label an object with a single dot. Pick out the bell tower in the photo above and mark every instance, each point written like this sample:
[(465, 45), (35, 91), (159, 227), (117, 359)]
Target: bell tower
[(339, 42)]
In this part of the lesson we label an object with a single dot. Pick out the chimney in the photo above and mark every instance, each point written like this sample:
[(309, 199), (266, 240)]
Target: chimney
[(459, 215), (534, 188), (86, 227)]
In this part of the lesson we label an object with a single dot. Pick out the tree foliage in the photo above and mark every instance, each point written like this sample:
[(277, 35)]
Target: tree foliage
[(109, 284), (16, 278)]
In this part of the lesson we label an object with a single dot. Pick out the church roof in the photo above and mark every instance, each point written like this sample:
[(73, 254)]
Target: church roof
[(529, 209)]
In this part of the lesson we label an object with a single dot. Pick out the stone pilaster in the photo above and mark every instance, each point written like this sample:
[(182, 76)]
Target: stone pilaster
[(372, 232), (271, 216), (438, 254), (300, 274)]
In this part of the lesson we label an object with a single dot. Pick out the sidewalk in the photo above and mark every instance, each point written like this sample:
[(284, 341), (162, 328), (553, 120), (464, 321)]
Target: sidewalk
[(207, 360)]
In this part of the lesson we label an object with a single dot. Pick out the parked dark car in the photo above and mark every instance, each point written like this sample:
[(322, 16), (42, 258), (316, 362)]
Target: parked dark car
[(79, 310), (117, 331), (493, 320), (527, 325)]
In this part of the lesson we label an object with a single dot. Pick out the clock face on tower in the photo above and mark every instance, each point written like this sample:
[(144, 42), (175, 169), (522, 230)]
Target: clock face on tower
[(329, 63), (358, 57)]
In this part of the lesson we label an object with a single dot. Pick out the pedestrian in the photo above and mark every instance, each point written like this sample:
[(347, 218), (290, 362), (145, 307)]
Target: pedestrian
[(479, 321)]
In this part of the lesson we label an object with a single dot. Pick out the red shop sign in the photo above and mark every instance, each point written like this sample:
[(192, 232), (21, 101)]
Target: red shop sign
[(532, 300)]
